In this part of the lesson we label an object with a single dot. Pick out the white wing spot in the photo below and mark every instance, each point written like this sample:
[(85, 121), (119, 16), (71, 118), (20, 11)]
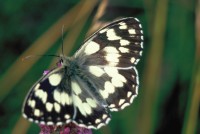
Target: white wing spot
[(67, 116), (122, 23), (136, 61), (42, 122), (112, 57), (104, 116), (108, 119), (110, 49), (104, 94), (87, 108), (133, 76), (142, 38), (97, 71), (44, 98), (137, 19), (116, 82), (91, 102), (111, 71), (78, 103), (37, 112), (49, 106), (50, 123), (132, 60), (111, 105), (41, 94), (112, 35), (65, 99), (97, 121), (140, 53), (59, 123), (92, 47), (124, 105), (57, 107), (31, 103), (129, 94), (30, 119), (37, 86), (57, 96), (123, 27), (100, 125), (132, 98), (141, 44), (103, 31), (76, 88), (121, 101), (55, 79), (24, 115), (131, 31), (124, 42), (109, 87), (114, 109), (123, 50)]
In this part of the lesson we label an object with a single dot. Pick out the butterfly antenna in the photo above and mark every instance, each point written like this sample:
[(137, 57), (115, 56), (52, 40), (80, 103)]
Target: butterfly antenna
[(62, 40), (31, 56)]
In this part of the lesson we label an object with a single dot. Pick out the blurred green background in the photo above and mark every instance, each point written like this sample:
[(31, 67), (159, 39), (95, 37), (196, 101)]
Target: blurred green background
[(169, 92)]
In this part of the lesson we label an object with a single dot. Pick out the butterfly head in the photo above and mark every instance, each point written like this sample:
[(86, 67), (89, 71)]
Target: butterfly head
[(63, 61)]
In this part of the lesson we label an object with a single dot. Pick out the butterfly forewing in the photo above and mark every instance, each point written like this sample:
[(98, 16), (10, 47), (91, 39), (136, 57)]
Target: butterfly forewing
[(49, 100), (118, 44), (99, 78)]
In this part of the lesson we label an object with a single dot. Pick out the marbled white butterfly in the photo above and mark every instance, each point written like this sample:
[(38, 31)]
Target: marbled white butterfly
[(100, 77)]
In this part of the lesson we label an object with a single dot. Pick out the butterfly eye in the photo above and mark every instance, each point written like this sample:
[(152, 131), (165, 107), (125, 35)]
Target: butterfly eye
[(59, 63)]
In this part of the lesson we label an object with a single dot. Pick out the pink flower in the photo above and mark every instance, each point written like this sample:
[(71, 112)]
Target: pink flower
[(70, 128)]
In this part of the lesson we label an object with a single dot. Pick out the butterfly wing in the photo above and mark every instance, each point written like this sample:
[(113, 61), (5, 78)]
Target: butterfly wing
[(49, 101), (118, 44), (109, 57), (58, 98)]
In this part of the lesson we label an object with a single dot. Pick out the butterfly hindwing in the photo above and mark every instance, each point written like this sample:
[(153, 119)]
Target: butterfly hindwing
[(89, 110), (117, 87)]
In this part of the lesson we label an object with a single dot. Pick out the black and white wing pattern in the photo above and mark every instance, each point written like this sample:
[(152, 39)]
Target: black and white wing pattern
[(99, 78), (109, 56), (58, 99)]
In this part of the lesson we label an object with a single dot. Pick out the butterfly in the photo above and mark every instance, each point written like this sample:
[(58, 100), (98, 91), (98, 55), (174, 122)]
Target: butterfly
[(100, 77)]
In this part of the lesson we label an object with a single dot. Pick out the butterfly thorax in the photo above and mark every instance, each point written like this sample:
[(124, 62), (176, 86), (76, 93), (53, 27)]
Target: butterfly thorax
[(71, 67)]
